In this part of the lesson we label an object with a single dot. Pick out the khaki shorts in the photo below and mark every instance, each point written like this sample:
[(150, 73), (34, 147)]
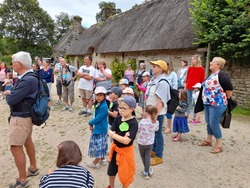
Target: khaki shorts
[(87, 94), (20, 130)]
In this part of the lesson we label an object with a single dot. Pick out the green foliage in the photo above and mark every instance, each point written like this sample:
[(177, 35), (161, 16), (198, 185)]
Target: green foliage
[(118, 68), (27, 27), (241, 111), (225, 24), (63, 23), (108, 9)]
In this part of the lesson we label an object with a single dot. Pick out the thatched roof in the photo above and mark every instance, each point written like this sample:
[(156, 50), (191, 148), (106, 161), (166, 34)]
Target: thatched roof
[(156, 25)]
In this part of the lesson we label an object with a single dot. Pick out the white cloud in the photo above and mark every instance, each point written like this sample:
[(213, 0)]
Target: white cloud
[(87, 9)]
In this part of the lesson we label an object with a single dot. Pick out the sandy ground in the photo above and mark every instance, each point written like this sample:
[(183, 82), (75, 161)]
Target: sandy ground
[(185, 163)]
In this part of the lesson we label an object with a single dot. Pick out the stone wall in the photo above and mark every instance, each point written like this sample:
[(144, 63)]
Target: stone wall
[(240, 77)]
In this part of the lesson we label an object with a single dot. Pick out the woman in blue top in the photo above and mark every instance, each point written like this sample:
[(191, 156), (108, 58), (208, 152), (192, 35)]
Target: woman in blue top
[(216, 91), (47, 75), (98, 145)]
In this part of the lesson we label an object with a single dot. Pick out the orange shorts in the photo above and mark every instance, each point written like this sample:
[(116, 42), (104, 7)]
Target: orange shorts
[(20, 130)]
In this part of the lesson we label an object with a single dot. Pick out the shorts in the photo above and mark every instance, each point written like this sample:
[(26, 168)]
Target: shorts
[(86, 94), (169, 116), (69, 93), (58, 87), (19, 130), (113, 167)]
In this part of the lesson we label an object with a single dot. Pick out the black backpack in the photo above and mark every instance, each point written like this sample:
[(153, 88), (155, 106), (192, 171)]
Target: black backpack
[(40, 110), (174, 101)]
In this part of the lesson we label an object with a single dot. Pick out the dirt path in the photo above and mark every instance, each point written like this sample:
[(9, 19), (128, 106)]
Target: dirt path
[(185, 165)]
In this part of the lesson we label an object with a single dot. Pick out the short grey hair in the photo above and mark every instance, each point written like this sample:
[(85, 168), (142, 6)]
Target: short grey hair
[(24, 58)]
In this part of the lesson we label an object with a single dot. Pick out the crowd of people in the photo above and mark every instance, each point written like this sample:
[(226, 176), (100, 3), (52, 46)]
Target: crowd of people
[(113, 114)]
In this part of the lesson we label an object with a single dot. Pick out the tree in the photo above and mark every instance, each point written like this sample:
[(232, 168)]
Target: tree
[(28, 26), (63, 22), (225, 24), (108, 9)]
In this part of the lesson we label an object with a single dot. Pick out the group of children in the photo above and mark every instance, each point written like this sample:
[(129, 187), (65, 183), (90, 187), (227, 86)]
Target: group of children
[(114, 116)]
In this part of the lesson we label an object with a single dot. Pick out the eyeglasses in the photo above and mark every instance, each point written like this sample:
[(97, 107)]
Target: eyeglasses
[(123, 108)]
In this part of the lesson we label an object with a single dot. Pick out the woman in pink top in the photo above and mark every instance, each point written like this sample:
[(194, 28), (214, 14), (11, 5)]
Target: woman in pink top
[(195, 74), (3, 74), (129, 74)]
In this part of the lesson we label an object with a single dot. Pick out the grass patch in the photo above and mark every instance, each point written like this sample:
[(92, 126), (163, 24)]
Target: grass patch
[(241, 111)]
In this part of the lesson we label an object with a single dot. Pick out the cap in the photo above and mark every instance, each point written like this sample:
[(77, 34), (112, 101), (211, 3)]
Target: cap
[(197, 85), (130, 101), (116, 90), (123, 81), (146, 74), (100, 89), (160, 63), (128, 90)]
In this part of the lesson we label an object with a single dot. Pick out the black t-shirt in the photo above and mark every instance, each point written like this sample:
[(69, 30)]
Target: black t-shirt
[(122, 127), (113, 106)]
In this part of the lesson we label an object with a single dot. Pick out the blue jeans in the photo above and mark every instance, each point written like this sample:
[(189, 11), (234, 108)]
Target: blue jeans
[(189, 100), (159, 141), (212, 117)]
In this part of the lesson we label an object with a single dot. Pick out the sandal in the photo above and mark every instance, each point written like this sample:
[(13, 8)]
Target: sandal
[(174, 136), (216, 150), (205, 143), (176, 139), (32, 172)]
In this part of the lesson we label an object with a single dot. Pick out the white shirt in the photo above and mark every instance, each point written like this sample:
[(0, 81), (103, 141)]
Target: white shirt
[(83, 83)]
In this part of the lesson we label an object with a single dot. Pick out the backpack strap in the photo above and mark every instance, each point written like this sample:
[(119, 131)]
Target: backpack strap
[(163, 79)]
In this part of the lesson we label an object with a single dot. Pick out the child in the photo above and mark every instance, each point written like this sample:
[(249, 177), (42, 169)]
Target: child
[(8, 82), (129, 92), (197, 116), (98, 145), (123, 132), (69, 172), (142, 87), (180, 124), (146, 135)]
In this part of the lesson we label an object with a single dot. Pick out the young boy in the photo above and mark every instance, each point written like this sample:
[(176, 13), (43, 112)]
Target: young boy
[(123, 132), (114, 94)]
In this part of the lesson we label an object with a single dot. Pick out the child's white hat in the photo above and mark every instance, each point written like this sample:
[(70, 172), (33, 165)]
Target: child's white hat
[(197, 85), (100, 89)]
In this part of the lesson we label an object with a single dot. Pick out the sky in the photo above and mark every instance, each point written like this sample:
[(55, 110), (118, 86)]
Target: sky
[(87, 9)]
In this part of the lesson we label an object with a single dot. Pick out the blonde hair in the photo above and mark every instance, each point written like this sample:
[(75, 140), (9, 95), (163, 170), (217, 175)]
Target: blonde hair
[(198, 58), (220, 61), (170, 66)]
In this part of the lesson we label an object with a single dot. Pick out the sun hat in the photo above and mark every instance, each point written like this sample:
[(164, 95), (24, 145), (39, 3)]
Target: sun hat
[(123, 81), (130, 101), (197, 85), (100, 89), (146, 74), (161, 64), (128, 90), (116, 90)]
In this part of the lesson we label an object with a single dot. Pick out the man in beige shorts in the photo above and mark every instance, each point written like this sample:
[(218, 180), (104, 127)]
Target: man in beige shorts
[(20, 99), (85, 86)]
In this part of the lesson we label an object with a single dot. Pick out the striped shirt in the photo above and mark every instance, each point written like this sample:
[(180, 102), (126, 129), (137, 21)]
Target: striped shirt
[(69, 176)]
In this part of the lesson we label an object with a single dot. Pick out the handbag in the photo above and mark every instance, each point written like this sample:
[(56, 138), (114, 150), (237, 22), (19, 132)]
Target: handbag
[(225, 120)]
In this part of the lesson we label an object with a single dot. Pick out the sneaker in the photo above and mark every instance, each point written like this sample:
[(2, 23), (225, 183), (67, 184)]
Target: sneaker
[(145, 175), (82, 112), (65, 108), (32, 172), (1, 98), (58, 103), (150, 172), (194, 122), (92, 165), (103, 162), (156, 161), (87, 114), (19, 184), (70, 108)]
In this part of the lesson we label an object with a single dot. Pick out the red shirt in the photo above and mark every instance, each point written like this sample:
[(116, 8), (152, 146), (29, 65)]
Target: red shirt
[(194, 75)]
